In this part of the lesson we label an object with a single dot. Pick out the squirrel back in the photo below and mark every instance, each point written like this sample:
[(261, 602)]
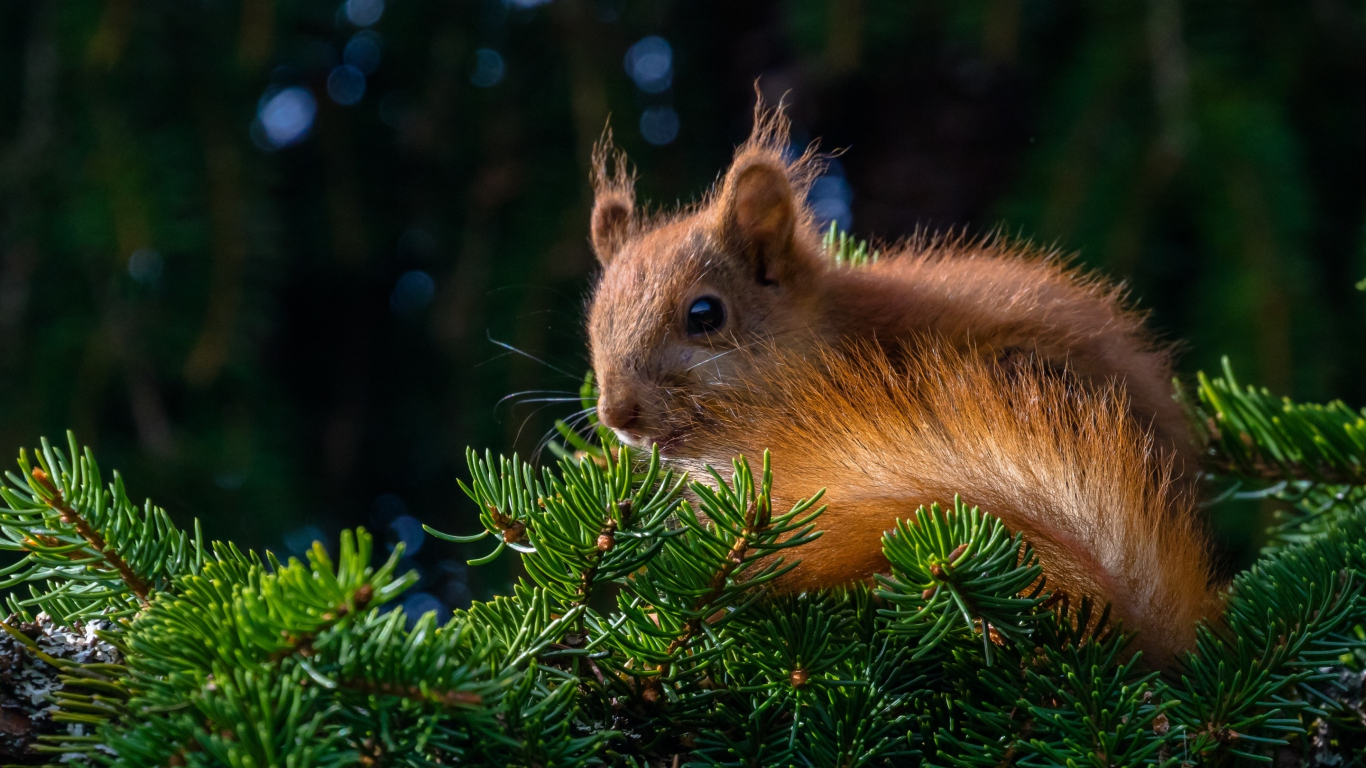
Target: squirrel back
[(692, 301), (1064, 464)]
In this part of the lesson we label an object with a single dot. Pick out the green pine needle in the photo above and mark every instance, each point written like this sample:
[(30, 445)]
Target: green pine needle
[(959, 571), (846, 250), (1256, 435)]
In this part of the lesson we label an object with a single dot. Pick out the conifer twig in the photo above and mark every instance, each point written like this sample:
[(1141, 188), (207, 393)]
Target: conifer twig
[(70, 516), (415, 693), (607, 539), (734, 558), (304, 643)]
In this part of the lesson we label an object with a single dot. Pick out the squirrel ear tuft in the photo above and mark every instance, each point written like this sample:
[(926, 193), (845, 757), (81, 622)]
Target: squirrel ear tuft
[(614, 198), (760, 211)]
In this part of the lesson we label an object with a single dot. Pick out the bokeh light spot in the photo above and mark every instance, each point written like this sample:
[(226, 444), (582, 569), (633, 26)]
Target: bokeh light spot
[(346, 85), (301, 540), (363, 51), (659, 125), (287, 115), (145, 265), (385, 508), (488, 68), (363, 13), (831, 199), (456, 594), (408, 529), (413, 292), (650, 63), (417, 604)]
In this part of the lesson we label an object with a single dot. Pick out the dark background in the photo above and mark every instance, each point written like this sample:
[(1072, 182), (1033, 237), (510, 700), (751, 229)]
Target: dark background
[(282, 320)]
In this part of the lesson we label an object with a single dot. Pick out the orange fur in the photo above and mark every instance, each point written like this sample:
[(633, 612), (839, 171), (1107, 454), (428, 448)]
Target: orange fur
[(1063, 464), (997, 296), (1041, 397)]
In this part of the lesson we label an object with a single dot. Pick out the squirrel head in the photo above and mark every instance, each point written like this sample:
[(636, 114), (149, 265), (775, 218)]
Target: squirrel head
[(696, 300)]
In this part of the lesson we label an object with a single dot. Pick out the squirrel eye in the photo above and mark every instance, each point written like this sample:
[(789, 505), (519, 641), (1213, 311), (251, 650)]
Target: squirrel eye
[(706, 315)]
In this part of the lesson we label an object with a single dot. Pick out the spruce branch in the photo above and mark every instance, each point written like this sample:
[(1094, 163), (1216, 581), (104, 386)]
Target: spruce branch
[(1309, 510), (52, 496), (703, 577), (239, 659), (1072, 696), (424, 694), (433, 686), (239, 611), (1254, 684), (595, 521), (957, 564), (811, 677), (88, 551), (1091, 705), (538, 727), (1253, 434), (260, 716)]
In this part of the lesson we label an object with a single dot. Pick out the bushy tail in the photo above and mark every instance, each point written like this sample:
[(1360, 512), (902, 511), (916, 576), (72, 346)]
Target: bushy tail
[(1059, 461)]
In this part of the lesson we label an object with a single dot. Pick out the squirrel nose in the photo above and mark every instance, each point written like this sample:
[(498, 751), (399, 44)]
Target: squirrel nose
[(619, 412)]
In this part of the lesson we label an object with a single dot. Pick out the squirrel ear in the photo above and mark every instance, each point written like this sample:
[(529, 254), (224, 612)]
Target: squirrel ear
[(614, 198), (760, 212), (611, 223)]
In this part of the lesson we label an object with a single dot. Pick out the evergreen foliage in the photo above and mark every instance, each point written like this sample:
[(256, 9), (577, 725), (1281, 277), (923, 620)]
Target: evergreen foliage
[(644, 633), (847, 250), (1258, 434)]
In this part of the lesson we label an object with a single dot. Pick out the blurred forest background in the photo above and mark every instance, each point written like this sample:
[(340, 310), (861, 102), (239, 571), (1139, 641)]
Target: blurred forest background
[(262, 253)]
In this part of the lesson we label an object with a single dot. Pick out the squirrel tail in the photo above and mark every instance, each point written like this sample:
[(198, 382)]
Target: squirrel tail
[(1062, 462)]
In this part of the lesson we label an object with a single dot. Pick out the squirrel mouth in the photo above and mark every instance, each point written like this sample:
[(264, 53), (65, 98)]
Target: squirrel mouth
[(668, 442), (632, 439)]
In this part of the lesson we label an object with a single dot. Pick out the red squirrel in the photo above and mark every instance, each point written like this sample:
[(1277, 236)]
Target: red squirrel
[(950, 366)]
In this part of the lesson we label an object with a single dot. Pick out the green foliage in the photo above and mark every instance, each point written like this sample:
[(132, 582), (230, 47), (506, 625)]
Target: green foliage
[(597, 524), (1255, 433), (1077, 698), (960, 564), (89, 551), (848, 250), (648, 630), (706, 576)]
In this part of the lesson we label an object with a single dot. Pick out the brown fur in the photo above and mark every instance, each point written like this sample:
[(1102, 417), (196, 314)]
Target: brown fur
[(999, 297), (614, 198), (1063, 464), (751, 244)]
